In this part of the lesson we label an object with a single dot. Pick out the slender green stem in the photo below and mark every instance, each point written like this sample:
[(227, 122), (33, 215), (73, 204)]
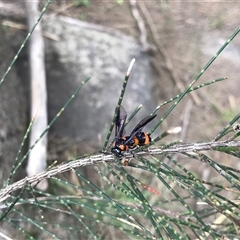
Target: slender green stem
[(24, 42)]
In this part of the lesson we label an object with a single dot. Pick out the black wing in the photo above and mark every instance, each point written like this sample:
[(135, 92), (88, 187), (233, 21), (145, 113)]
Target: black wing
[(140, 126), (120, 122)]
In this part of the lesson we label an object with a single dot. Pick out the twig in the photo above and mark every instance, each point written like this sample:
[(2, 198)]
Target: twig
[(168, 65), (103, 158), (141, 25), (61, 9), (24, 27), (195, 147)]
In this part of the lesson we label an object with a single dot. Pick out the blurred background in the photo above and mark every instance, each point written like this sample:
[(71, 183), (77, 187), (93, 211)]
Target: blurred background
[(171, 42)]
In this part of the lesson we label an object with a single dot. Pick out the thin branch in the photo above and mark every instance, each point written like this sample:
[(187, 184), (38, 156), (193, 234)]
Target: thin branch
[(108, 158), (167, 63), (62, 9), (141, 26), (24, 27), (195, 147)]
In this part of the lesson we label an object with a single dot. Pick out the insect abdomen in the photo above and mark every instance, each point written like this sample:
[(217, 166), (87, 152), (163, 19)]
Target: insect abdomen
[(141, 139)]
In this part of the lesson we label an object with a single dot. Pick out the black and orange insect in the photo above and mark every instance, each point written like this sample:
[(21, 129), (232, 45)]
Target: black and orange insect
[(136, 138)]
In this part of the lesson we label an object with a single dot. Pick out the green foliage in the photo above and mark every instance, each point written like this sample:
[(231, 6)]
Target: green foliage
[(155, 197)]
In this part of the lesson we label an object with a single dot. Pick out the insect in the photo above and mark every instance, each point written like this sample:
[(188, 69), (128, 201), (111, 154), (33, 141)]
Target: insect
[(136, 138)]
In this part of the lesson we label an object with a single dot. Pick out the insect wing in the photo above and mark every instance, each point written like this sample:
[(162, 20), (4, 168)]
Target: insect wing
[(140, 126), (120, 122)]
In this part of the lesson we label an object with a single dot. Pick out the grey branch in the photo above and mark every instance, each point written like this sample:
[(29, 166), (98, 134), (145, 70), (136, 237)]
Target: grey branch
[(107, 158)]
